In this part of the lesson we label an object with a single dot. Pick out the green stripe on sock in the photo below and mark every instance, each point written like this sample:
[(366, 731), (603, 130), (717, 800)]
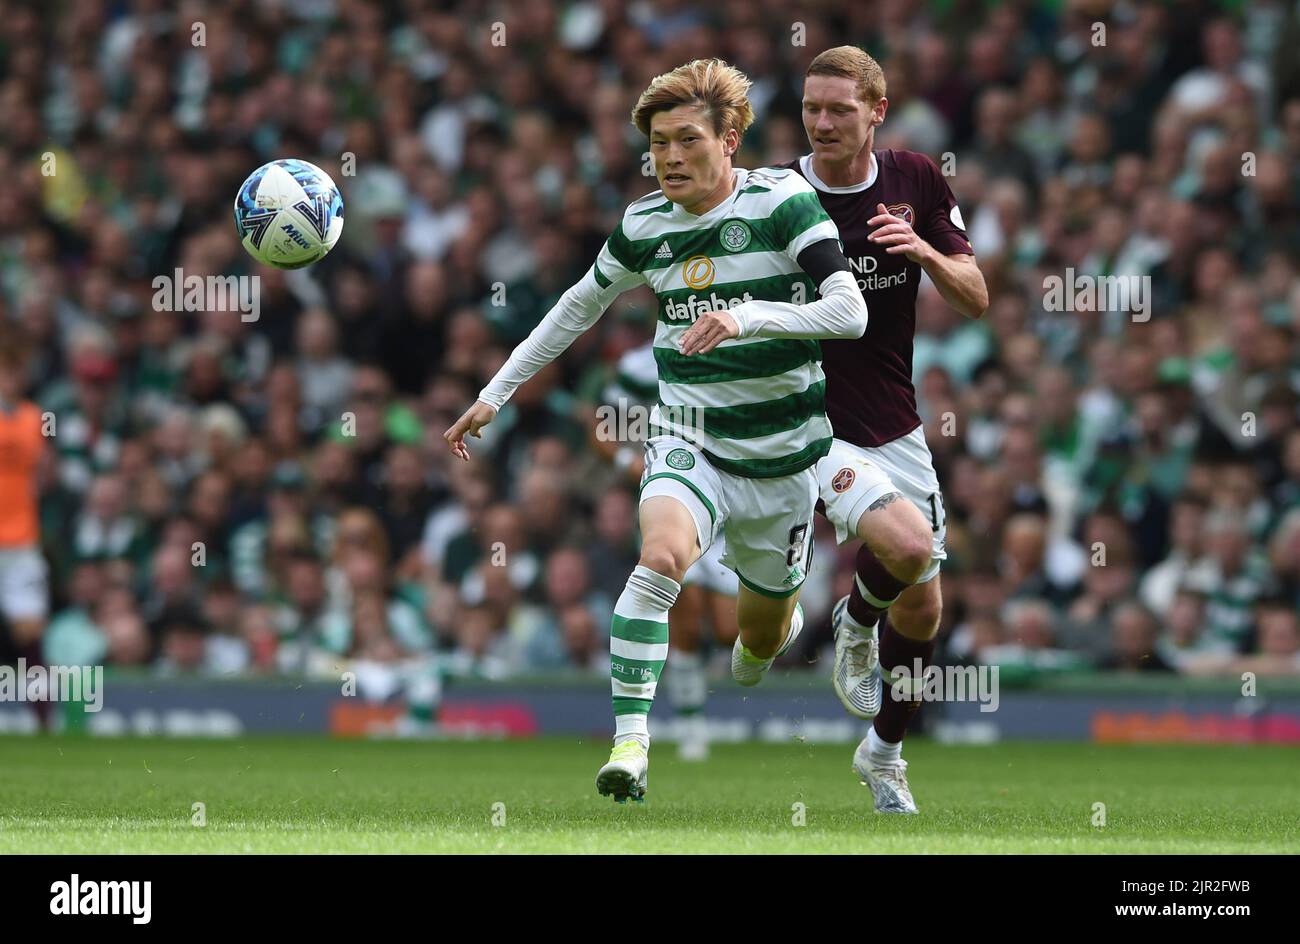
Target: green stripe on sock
[(623, 705), (638, 630)]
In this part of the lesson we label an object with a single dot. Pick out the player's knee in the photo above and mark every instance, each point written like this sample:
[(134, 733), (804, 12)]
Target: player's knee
[(913, 556), (664, 559), (899, 537)]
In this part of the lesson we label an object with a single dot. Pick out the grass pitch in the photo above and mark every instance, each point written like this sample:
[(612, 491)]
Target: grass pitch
[(278, 795)]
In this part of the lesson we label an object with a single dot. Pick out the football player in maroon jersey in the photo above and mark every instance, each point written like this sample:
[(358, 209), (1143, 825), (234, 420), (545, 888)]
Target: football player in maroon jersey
[(896, 217)]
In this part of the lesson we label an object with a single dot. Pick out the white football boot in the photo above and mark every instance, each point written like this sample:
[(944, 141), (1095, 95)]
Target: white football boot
[(748, 670), (624, 776), (888, 782), (856, 677)]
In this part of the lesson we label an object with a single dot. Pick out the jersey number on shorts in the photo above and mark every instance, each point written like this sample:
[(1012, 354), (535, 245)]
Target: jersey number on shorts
[(937, 517), (798, 537)]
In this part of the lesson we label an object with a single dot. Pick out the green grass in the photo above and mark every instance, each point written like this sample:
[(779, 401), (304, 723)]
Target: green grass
[(318, 795)]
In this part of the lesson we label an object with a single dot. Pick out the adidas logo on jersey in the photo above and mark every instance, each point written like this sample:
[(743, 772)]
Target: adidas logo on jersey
[(664, 251)]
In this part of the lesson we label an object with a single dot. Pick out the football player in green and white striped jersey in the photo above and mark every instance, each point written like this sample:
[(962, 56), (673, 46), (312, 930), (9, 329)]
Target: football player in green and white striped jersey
[(736, 259)]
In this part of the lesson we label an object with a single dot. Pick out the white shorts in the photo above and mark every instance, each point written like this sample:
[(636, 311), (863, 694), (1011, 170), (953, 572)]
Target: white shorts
[(767, 523), (851, 477), (710, 573), (24, 578)]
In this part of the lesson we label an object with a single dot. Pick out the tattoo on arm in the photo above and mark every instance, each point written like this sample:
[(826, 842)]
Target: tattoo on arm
[(884, 500)]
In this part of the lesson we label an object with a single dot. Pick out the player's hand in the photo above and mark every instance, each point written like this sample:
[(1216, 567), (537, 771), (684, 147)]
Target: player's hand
[(709, 330), (897, 235), (474, 419)]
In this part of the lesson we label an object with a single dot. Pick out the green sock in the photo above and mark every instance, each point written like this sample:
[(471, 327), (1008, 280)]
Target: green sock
[(638, 646)]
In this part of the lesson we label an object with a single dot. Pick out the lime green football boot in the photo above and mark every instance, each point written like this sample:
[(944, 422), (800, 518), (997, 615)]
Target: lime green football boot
[(624, 777)]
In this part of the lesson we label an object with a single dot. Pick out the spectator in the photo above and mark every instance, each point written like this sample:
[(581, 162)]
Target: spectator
[(1133, 641), (1184, 644), (567, 587), (1161, 583), (1278, 634), (1232, 575), (325, 375), (1030, 636)]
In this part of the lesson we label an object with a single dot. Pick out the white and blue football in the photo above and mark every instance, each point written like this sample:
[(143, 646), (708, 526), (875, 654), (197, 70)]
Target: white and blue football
[(289, 214)]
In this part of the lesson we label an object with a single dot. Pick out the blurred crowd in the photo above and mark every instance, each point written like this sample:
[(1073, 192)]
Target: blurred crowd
[(275, 496)]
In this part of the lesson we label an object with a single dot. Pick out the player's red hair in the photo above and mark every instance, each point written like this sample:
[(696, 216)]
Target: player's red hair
[(850, 62)]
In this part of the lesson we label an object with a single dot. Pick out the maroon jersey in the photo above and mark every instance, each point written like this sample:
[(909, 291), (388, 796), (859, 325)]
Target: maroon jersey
[(869, 396)]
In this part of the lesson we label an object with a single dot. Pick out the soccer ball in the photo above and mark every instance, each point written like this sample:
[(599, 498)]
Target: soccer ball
[(289, 214)]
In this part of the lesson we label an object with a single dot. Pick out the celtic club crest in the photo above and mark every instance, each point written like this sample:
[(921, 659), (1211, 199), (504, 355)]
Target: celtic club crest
[(680, 459), (735, 236)]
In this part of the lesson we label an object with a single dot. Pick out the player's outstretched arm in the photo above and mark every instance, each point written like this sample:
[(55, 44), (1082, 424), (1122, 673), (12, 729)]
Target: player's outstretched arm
[(577, 310)]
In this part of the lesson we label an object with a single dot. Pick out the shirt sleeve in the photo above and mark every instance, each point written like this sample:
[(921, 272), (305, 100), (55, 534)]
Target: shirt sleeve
[(942, 225), (840, 312), (577, 310), (800, 219)]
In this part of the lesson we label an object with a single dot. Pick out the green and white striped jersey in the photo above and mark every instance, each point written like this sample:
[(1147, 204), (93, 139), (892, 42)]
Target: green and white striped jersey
[(754, 406)]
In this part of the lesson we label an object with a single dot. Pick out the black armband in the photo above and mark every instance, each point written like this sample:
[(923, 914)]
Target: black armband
[(822, 259)]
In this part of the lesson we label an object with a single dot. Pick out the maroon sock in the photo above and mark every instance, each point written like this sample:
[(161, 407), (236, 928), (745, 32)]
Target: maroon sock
[(896, 650), (880, 583)]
